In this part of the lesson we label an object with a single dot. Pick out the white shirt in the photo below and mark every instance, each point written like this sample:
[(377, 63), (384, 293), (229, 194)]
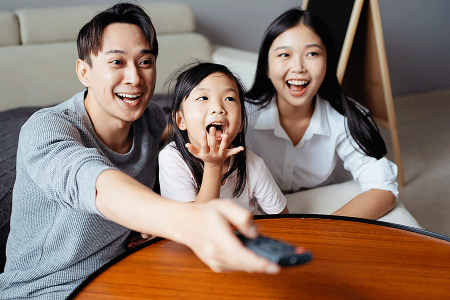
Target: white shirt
[(311, 163), (177, 182)]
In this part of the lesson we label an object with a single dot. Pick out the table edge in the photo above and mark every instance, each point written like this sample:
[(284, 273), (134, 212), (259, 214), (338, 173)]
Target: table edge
[(260, 217)]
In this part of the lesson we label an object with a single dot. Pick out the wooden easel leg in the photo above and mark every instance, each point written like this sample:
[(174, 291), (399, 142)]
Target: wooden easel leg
[(386, 83)]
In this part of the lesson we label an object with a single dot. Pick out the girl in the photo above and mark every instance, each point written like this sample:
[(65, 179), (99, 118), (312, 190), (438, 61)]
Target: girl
[(302, 123), (205, 156)]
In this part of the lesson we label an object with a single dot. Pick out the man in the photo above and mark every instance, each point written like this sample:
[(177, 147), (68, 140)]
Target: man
[(85, 169)]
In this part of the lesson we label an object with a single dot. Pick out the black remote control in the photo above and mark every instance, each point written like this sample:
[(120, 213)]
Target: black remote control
[(276, 251)]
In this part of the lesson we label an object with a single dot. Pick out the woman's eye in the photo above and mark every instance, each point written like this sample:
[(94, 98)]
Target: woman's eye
[(312, 54), (230, 99), (283, 55), (202, 98)]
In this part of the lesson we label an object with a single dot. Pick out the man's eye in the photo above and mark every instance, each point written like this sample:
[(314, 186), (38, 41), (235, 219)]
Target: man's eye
[(202, 98), (147, 62), (230, 99)]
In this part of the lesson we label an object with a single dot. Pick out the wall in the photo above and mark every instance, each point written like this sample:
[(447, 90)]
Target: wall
[(415, 32)]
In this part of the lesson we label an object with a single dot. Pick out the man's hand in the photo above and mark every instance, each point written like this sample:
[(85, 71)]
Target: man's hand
[(211, 236)]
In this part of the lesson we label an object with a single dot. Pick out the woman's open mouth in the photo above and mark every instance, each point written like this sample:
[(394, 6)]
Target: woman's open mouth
[(297, 87)]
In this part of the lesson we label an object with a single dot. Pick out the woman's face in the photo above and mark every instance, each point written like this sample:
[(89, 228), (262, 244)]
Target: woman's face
[(213, 103), (297, 66)]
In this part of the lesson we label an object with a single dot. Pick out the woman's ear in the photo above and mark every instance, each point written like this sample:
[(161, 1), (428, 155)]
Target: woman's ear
[(180, 120), (83, 72)]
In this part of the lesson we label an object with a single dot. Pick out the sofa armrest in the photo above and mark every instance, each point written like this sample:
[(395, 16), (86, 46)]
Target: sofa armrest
[(241, 62)]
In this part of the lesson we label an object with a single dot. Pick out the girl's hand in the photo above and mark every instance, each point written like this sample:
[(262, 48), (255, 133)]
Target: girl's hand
[(211, 153)]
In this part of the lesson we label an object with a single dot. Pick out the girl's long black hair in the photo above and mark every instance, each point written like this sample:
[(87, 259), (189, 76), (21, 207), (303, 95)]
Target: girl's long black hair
[(360, 124), (187, 79)]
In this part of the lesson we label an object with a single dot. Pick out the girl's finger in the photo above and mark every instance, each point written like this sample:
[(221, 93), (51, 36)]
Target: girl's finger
[(212, 139), (233, 151), (204, 142), (223, 143)]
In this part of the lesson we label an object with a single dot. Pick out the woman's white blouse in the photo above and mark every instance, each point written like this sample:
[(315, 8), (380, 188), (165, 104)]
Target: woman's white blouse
[(312, 161)]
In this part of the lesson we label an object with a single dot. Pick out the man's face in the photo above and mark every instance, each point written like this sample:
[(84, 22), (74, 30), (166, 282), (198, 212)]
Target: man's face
[(122, 78)]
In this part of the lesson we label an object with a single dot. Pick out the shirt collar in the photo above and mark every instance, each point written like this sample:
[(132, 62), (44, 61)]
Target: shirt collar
[(268, 118)]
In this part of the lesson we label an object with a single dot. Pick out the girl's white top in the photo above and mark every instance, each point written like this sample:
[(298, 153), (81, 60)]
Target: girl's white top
[(177, 182)]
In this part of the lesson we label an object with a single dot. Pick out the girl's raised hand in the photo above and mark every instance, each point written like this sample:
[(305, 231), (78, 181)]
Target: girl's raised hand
[(211, 153)]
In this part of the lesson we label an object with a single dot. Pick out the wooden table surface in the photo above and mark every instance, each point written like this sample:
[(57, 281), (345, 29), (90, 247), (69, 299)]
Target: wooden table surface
[(353, 259)]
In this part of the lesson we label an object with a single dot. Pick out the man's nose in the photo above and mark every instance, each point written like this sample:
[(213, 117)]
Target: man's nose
[(132, 75)]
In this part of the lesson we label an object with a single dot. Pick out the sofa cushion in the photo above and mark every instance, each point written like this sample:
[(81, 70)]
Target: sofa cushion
[(61, 24), (9, 33), (10, 123)]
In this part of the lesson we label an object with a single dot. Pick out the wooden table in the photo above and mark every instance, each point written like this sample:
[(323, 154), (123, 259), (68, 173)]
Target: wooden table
[(353, 259)]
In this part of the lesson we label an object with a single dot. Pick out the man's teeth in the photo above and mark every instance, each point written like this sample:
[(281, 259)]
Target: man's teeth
[(130, 98), (298, 82)]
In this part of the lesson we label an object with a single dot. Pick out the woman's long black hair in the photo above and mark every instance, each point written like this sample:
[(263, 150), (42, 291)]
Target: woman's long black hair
[(189, 77), (361, 126)]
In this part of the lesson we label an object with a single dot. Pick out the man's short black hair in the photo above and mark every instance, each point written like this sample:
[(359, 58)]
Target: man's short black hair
[(90, 37)]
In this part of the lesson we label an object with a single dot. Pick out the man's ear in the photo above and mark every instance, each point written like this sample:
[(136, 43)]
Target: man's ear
[(180, 121), (83, 70)]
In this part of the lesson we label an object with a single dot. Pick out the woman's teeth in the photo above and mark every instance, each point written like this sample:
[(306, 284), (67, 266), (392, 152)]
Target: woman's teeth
[(298, 82)]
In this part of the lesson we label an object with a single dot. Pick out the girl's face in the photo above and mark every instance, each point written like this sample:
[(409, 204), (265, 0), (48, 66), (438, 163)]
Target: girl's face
[(214, 102), (297, 65)]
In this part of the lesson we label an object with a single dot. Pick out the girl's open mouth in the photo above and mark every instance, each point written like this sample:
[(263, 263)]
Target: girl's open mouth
[(221, 128)]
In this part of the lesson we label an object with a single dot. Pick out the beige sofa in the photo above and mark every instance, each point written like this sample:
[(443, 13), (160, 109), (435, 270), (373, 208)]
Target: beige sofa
[(38, 51)]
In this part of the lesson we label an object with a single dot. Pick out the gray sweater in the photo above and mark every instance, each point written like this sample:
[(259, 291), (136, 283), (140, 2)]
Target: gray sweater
[(57, 236)]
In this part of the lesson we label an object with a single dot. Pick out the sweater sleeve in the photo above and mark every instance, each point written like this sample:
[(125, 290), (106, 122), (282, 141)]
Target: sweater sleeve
[(55, 156)]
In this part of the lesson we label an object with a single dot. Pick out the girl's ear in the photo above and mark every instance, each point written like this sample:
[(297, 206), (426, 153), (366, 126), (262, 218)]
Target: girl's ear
[(83, 72), (180, 121)]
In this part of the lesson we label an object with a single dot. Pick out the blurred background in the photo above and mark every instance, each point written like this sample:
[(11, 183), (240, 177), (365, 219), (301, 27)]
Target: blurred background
[(416, 32)]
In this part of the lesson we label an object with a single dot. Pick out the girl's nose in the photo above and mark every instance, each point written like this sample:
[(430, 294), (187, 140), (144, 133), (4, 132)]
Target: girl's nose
[(217, 108), (132, 75)]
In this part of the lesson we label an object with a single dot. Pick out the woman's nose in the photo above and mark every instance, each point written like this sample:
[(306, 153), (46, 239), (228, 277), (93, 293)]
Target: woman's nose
[(297, 65)]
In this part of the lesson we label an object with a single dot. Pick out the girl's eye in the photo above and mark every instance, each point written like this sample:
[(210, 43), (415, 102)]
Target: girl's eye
[(202, 98), (312, 54), (230, 99)]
